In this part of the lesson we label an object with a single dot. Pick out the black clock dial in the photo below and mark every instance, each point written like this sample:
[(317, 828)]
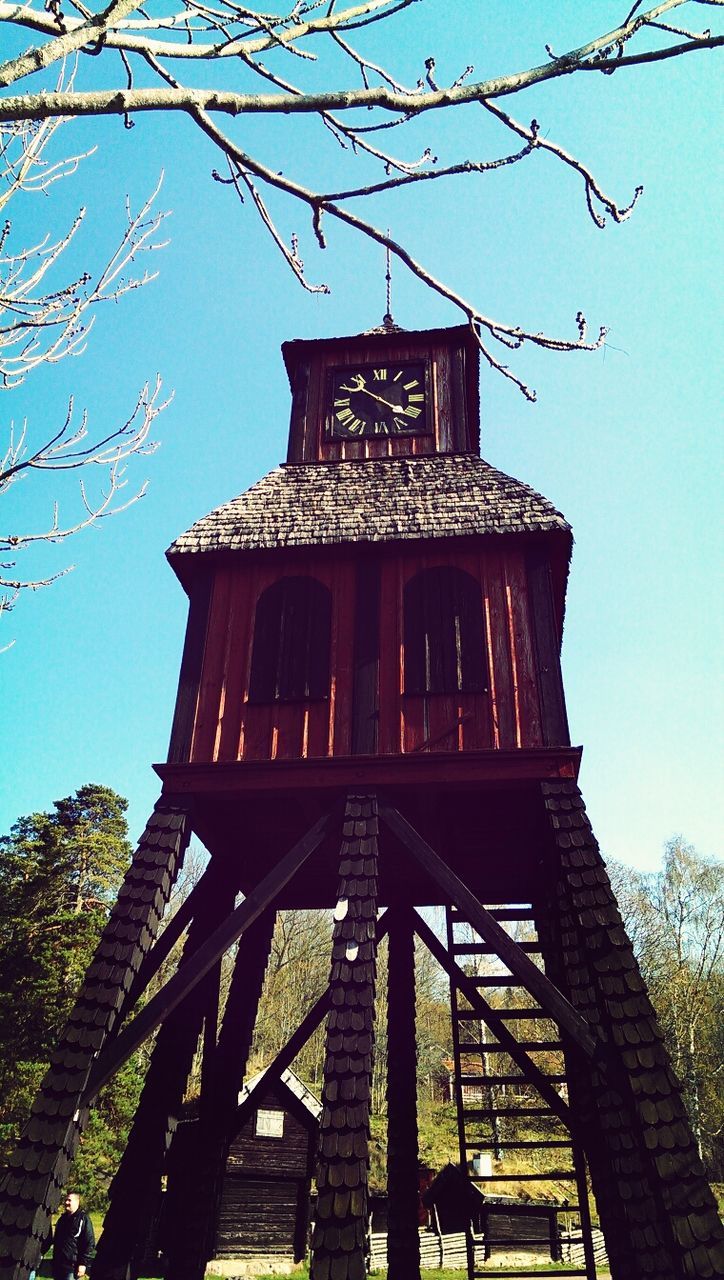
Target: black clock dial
[(379, 400)]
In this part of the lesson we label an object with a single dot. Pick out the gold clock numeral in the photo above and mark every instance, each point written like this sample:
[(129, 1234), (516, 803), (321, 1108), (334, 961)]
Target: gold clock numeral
[(417, 396), (342, 401), (344, 415), (398, 375), (400, 423), (379, 375), (381, 428), (412, 411), (409, 385), (356, 426)]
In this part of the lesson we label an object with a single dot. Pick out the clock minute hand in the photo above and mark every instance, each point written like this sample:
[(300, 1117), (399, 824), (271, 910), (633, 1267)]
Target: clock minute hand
[(396, 408)]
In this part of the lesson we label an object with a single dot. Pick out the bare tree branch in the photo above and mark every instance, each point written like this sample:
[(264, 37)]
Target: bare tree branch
[(209, 31), (42, 322)]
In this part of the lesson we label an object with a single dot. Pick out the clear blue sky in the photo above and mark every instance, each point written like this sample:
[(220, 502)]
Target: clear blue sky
[(625, 442)]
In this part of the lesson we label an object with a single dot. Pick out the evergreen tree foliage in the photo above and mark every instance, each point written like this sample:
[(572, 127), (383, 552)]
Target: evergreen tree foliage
[(59, 875)]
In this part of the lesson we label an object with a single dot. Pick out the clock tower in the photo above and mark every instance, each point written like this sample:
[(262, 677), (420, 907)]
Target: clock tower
[(370, 719)]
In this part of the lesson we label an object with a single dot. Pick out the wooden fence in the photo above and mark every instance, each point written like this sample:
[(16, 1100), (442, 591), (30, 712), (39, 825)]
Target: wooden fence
[(438, 1251)]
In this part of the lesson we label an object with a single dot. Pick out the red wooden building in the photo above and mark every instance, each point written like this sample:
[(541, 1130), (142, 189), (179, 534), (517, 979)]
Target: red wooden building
[(370, 715)]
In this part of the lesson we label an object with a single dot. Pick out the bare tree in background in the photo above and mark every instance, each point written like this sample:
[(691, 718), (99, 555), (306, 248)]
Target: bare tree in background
[(153, 61), (675, 919), (45, 317)]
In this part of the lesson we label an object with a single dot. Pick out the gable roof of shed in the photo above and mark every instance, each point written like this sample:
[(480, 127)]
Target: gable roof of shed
[(289, 1080), (382, 500)]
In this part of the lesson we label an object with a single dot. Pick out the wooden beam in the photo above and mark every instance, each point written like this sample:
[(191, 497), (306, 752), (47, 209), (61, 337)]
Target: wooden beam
[(536, 982), (472, 769), (177, 925), (178, 987), (490, 1016)]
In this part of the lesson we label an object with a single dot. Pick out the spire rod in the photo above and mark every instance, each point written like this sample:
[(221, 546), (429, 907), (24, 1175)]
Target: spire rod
[(388, 321)]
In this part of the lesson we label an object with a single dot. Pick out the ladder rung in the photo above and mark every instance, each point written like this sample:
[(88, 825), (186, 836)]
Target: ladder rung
[(521, 912), (508, 1015), (555, 1175), (496, 980), (523, 1145), (490, 1113), (521, 1015), (482, 948), (531, 1046), (499, 1079)]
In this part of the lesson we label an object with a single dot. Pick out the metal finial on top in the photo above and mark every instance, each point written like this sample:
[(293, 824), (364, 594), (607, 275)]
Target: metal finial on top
[(388, 321)]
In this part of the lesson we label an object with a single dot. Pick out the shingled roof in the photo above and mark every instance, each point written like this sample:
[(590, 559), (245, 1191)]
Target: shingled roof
[(372, 501)]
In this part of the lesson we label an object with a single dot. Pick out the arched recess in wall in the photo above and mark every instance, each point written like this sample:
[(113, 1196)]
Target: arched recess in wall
[(444, 633), (291, 650)]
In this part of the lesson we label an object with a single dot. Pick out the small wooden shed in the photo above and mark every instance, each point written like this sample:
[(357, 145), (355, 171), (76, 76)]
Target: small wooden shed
[(265, 1196), (500, 1223)]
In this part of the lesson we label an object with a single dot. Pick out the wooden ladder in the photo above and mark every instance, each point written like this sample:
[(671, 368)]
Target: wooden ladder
[(493, 1097)]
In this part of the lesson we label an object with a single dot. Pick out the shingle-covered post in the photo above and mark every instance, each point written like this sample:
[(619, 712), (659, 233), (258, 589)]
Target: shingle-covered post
[(136, 1188), (32, 1187), (657, 1212), (193, 1234), (339, 1243), (403, 1239)]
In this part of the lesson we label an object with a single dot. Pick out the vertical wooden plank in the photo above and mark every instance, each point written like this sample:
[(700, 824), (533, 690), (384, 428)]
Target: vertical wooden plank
[(545, 643), (342, 651), (299, 425), (522, 648), (389, 730), (207, 717), (289, 718), (230, 707), (443, 397), (502, 693), (187, 696), (475, 727), (414, 721), (442, 721), (318, 729), (256, 735), (365, 694), (460, 434)]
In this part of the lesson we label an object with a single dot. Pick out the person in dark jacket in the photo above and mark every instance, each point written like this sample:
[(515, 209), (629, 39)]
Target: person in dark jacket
[(74, 1242)]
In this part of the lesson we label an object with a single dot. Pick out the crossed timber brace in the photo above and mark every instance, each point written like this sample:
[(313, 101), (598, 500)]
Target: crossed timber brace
[(603, 1077)]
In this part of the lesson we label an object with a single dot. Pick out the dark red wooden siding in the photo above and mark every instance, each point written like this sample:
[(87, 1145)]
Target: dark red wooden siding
[(367, 708), (449, 408)]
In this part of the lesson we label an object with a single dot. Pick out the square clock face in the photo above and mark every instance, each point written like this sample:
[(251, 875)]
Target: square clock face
[(379, 400)]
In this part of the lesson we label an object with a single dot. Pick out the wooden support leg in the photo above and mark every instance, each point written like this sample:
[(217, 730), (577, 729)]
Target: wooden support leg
[(192, 1235), (649, 1183), (340, 1231), (136, 1189), (32, 1187), (403, 1239), (161, 1005)]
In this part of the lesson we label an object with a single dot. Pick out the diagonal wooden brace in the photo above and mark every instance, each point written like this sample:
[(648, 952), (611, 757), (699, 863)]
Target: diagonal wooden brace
[(161, 949), (296, 1041), (536, 982), (490, 1016), (179, 986)]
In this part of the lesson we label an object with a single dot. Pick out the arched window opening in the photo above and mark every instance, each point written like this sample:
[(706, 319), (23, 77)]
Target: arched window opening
[(290, 657), (444, 633)]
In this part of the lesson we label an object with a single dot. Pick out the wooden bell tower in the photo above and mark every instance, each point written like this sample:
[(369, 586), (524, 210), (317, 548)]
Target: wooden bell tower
[(370, 719)]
